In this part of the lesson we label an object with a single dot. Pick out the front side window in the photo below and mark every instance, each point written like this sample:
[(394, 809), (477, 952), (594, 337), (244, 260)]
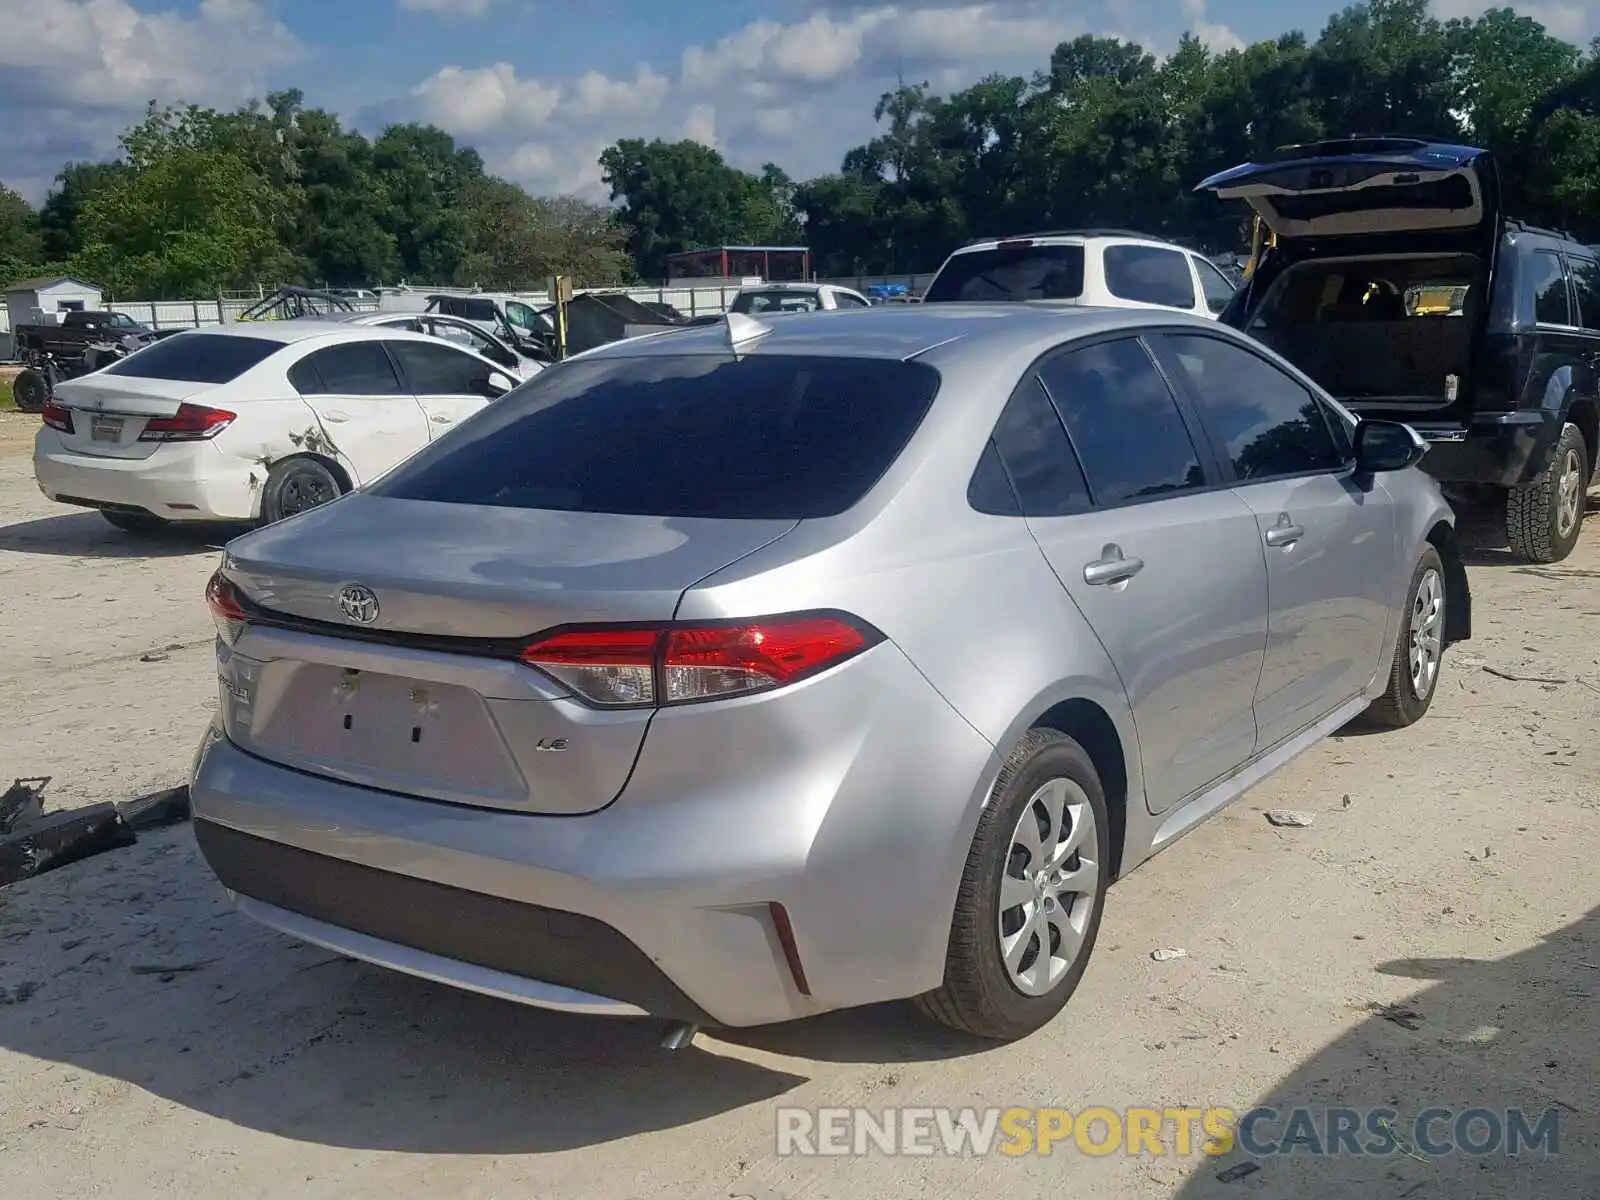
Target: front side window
[(439, 370), (1149, 275), (1124, 423), (1264, 421), (766, 437)]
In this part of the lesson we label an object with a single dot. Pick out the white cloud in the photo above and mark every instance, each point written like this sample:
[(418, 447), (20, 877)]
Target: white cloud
[(1218, 37), (596, 95), (75, 73), (109, 54), (461, 8), (700, 125), (481, 100)]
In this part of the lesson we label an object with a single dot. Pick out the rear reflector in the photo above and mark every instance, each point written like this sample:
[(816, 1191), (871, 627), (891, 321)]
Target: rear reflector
[(191, 423), (56, 416), (680, 664)]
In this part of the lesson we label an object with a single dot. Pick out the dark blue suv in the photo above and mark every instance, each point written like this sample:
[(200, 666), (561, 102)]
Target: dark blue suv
[(1394, 279)]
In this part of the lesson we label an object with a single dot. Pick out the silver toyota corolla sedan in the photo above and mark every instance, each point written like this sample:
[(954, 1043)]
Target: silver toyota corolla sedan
[(740, 673)]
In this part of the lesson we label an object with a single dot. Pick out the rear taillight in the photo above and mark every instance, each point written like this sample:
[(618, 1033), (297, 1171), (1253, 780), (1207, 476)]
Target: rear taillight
[(227, 609), (191, 423), (57, 416), (632, 667)]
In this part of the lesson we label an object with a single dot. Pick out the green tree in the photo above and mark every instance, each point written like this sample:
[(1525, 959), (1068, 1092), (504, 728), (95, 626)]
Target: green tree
[(683, 196), (186, 221), (20, 247)]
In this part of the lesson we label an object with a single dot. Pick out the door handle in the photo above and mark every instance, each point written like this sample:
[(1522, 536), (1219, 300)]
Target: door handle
[(335, 418), (441, 419), (1111, 567), (1285, 532)]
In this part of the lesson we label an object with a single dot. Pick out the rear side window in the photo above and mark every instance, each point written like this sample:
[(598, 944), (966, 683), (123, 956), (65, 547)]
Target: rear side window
[(1586, 287), (1124, 422), (1266, 423), (353, 369), (1033, 450), (1547, 285), (766, 437), (1149, 275), (196, 358), (1020, 272), (439, 370)]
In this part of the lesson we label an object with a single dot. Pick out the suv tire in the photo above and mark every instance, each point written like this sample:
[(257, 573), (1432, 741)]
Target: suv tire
[(1544, 518), (981, 994)]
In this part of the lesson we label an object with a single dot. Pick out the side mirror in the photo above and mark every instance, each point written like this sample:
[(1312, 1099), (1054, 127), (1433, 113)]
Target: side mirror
[(1387, 446), (493, 385)]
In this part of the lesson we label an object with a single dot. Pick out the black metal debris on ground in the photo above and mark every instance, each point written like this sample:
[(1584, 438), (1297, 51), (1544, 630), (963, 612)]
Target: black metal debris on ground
[(33, 841)]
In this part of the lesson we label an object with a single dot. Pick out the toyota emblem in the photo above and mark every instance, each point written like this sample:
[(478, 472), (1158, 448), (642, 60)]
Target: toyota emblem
[(359, 603)]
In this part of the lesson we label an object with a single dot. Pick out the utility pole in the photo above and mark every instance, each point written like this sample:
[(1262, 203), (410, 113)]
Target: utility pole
[(560, 288)]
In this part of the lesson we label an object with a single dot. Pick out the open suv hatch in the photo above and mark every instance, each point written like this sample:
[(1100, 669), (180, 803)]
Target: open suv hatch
[(1394, 279)]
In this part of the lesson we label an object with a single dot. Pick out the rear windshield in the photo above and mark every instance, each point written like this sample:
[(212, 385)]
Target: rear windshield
[(775, 301), (196, 358), (1010, 273), (766, 437)]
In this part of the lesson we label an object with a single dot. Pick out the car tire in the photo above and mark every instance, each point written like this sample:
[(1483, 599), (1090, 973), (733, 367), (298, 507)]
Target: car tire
[(983, 993), (1545, 517), (1420, 645), (134, 522), (297, 485), (30, 390)]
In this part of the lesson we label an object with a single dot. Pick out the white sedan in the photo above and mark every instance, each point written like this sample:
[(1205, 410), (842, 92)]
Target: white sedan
[(252, 422)]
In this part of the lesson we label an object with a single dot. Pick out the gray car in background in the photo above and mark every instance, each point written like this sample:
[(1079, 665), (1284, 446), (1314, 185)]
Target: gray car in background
[(746, 672)]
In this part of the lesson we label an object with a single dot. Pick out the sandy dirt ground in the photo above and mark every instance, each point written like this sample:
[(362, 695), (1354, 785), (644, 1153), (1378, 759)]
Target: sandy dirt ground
[(1433, 939)]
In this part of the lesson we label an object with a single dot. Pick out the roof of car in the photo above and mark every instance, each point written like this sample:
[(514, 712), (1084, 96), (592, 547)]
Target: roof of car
[(906, 331), (1070, 236), (301, 328)]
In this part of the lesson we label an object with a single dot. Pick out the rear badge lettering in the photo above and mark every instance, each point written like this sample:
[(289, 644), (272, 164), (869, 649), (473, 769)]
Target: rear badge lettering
[(550, 745)]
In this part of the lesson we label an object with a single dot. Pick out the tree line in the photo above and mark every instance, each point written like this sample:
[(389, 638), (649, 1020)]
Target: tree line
[(1104, 134)]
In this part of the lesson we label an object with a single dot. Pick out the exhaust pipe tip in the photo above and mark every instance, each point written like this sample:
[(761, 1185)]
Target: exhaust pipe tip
[(679, 1035)]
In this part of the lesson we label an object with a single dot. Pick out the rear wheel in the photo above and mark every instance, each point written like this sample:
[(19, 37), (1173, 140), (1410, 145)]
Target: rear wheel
[(30, 391), (1419, 653), (134, 522), (297, 485), (1028, 909), (1544, 518)]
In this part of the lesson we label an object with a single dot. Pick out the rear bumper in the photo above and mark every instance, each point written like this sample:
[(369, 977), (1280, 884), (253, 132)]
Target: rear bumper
[(192, 482), (662, 902), (1506, 450)]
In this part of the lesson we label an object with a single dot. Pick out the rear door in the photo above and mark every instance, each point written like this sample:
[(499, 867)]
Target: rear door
[(368, 418), (1331, 547), (449, 385), (1163, 562)]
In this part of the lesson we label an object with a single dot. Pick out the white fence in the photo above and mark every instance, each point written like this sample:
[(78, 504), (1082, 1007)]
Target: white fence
[(691, 299)]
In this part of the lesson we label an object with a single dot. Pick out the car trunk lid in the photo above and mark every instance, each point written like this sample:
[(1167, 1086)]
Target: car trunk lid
[(110, 412), (422, 693)]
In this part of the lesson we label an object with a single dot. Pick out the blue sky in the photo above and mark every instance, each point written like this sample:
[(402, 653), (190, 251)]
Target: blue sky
[(541, 86)]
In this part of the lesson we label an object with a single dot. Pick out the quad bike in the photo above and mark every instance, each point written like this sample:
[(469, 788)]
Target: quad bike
[(42, 370)]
